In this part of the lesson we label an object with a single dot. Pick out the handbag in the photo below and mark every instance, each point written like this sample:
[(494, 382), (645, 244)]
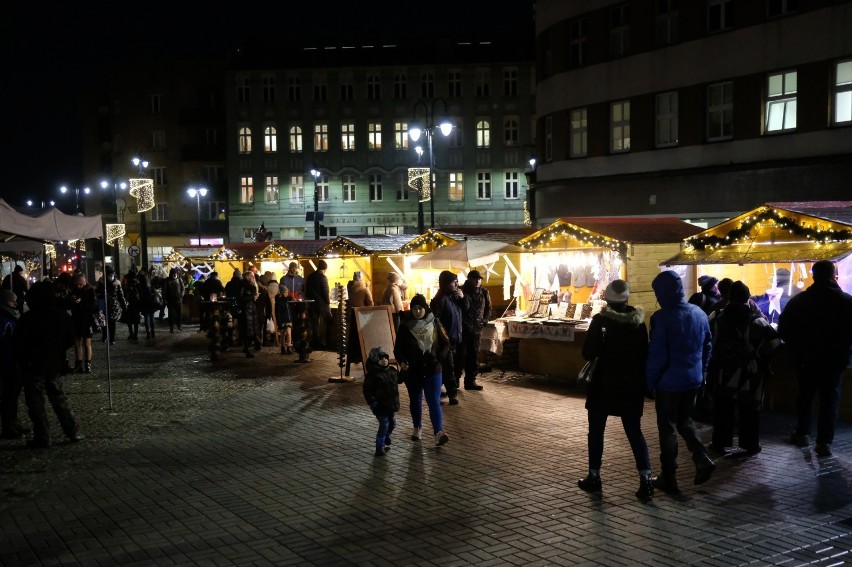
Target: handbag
[(98, 321), (270, 326), (584, 378)]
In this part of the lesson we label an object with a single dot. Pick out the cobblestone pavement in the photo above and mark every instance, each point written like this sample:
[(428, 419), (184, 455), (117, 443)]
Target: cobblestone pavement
[(264, 462)]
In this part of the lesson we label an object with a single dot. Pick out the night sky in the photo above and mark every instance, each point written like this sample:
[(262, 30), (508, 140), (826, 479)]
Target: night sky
[(54, 51)]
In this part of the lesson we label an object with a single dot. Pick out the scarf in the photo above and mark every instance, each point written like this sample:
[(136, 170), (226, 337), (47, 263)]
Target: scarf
[(423, 330)]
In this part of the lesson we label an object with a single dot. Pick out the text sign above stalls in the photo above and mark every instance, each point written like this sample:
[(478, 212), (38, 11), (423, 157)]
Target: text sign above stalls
[(525, 330)]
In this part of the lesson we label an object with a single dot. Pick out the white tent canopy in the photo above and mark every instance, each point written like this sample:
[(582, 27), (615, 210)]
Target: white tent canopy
[(51, 225), (467, 253)]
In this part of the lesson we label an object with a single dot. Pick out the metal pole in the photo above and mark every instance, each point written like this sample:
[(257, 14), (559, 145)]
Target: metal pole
[(115, 261), (198, 222), (144, 242), (431, 184), (316, 209)]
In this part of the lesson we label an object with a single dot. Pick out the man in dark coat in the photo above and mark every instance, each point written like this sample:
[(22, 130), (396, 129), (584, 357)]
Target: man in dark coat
[(817, 327), (448, 306), (475, 317), (18, 284), (319, 312)]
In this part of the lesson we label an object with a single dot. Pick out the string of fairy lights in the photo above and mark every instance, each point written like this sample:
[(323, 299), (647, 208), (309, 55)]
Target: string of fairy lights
[(765, 214), (429, 238), (568, 230)]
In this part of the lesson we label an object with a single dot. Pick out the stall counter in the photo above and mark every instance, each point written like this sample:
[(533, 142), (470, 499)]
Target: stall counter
[(548, 347)]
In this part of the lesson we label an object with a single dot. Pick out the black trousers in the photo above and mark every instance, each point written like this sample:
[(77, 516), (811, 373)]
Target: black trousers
[(469, 356), (823, 381)]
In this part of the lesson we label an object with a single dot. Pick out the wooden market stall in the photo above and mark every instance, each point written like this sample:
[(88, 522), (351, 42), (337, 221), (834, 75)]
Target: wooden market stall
[(571, 262), (265, 256), (772, 249)]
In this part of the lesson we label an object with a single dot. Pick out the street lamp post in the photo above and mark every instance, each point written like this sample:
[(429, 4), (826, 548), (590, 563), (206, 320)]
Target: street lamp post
[(197, 194), (116, 263), (316, 174), (143, 226), (86, 191), (428, 128)]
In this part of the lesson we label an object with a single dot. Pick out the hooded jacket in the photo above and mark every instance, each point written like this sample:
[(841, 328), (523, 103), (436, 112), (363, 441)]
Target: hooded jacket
[(381, 390), (817, 325), (618, 385), (680, 345)]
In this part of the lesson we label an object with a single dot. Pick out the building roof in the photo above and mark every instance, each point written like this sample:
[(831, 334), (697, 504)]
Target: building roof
[(638, 230)]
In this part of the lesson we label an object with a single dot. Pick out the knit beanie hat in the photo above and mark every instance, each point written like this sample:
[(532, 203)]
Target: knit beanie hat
[(446, 277), (6, 296), (709, 282), (419, 300), (393, 277), (739, 293), (617, 292)]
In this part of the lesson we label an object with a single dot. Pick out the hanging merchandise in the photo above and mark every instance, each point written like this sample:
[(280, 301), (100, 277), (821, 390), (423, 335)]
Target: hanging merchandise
[(507, 284)]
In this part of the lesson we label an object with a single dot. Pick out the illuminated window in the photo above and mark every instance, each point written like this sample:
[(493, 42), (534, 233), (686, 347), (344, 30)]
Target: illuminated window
[(843, 93), (720, 111), (483, 134), (666, 119), (321, 137), (483, 185), (271, 188), (400, 135), (374, 135), (781, 102), (579, 133), (322, 188), (246, 190), (245, 140), (270, 139), (297, 189), (347, 136), (295, 139), (456, 186), (619, 121)]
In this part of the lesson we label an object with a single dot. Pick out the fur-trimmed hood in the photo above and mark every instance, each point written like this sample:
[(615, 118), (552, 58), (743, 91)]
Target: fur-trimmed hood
[(634, 316)]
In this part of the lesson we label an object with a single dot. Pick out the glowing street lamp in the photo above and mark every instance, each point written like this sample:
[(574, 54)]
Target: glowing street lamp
[(197, 194)]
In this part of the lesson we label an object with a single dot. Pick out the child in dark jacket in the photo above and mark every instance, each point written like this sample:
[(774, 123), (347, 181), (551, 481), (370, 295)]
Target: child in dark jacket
[(381, 390)]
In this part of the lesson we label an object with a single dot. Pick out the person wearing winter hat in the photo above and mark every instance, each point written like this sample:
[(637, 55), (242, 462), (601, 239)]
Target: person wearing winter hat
[(420, 348), (709, 295), (449, 307), (476, 316), (678, 354), (381, 391), (18, 284), (392, 296), (293, 280), (319, 312), (618, 339), (743, 342), (10, 376)]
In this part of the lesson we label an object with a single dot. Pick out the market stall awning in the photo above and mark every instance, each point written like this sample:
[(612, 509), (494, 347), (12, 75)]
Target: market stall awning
[(192, 253), (465, 254), (768, 234)]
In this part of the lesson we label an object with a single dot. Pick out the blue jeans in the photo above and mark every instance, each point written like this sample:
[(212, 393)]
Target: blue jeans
[(674, 416), (633, 430), (431, 386), (387, 423)]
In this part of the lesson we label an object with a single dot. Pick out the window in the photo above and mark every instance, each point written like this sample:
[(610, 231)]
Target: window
[(720, 15), (400, 87), (720, 111), (454, 83), (268, 84), (245, 140), (159, 175), (456, 186), (511, 183), (427, 85), (402, 188), (246, 190), (619, 30), (483, 134), (294, 89), (213, 210), (548, 138), (158, 139), (320, 88), (374, 135), (297, 189), (348, 188), (270, 139), (665, 24), (347, 89), (579, 133), (775, 8), (781, 102), (483, 185), (213, 174), (843, 93), (322, 188), (160, 212), (248, 233), (271, 188), (666, 119), (243, 90), (510, 82), (375, 187), (347, 136), (577, 39), (456, 137), (295, 139), (400, 135), (374, 87), (510, 131), (483, 83), (211, 137), (321, 137), (619, 126), (156, 102)]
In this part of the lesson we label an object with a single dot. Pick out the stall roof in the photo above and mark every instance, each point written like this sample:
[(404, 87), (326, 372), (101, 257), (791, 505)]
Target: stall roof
[(196, 252), (307, 248), (769, 233), (840, 211), (638, 230)]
